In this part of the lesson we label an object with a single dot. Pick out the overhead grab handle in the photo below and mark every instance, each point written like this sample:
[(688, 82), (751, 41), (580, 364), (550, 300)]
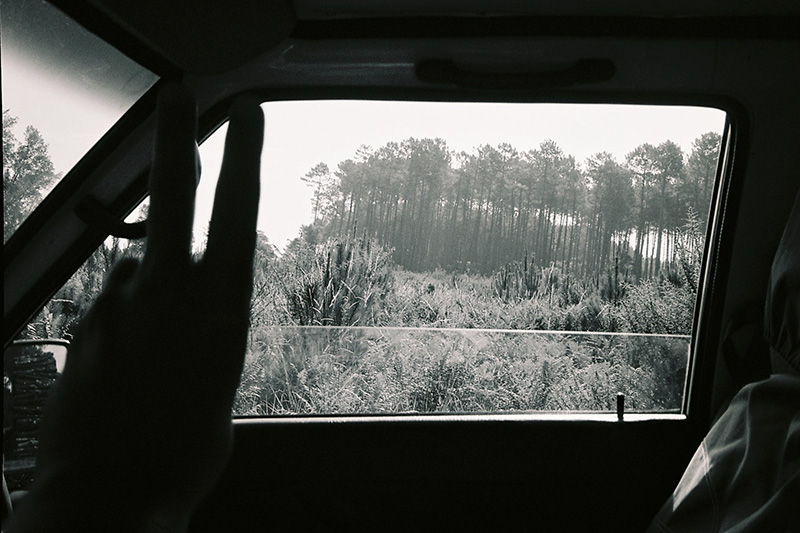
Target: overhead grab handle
[(445, 71), (94, 214)]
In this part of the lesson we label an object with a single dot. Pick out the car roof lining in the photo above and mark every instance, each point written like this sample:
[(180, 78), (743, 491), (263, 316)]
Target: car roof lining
[(185, 39)]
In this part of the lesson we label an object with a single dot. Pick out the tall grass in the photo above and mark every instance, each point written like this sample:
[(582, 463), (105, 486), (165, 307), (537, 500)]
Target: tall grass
[(443, 342), (395, 370)]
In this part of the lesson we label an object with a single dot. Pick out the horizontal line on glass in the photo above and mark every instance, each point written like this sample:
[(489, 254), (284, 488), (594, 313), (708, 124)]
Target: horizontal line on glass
[(482, 330)]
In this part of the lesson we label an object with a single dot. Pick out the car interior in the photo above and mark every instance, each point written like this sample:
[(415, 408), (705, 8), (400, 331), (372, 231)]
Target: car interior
[(451, 472)]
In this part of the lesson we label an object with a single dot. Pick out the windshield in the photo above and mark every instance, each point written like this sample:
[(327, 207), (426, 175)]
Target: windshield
[(63, 88)]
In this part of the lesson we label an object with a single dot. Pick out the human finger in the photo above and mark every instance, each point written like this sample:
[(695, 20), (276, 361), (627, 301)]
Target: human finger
[(121, 274), (114, 287), (232, 230), (172, 180)]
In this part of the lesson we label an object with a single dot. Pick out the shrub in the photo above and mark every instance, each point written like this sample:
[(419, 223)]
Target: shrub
[(657, 306), (516, 280), (344, 283)]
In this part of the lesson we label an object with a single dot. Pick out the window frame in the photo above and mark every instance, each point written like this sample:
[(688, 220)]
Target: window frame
[(705, 329)]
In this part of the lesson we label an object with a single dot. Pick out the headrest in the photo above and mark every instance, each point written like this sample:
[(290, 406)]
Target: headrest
[(782, 313)]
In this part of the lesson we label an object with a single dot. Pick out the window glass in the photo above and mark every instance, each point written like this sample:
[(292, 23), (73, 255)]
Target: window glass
[(446, 257), (442, 257), (63, 88)]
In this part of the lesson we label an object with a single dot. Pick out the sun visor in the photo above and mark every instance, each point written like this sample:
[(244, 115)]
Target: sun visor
[(204, 37), (782, 314)]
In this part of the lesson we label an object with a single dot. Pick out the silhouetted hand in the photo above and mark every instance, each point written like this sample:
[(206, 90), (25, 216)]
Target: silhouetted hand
[(139, 425)]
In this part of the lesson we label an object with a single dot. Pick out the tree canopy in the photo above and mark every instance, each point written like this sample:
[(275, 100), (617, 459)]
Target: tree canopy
[(479, 210), (27, 173)]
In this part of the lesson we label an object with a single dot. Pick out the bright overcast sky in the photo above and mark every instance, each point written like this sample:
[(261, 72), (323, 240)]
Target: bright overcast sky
[(301, 134)]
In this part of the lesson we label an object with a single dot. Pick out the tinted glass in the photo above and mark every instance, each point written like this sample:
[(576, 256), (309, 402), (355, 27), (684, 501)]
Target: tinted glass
[(63, 88)]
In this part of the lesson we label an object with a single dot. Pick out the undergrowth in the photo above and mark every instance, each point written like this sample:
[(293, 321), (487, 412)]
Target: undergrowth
[(413, 352)]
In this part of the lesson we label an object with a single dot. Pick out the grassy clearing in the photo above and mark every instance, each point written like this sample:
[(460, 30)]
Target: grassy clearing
[(309, 370), (339, 329)]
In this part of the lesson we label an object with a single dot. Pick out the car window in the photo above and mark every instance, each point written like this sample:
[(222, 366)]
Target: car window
[(441, 257), (418, 257), (63, 88)]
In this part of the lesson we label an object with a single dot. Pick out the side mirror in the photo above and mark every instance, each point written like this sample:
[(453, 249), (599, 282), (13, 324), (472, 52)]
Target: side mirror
[(30, 369)]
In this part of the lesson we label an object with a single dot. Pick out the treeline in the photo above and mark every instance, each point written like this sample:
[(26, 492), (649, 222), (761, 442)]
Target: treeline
[(479, 211), (27, 173)]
